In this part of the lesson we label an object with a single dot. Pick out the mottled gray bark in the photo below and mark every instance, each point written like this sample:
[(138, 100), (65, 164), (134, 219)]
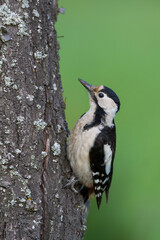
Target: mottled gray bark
[(33, 131)]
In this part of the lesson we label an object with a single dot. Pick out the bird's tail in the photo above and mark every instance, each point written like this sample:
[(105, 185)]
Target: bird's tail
[(86, 192)]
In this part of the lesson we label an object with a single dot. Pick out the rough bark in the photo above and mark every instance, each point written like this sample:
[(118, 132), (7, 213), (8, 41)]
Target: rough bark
[(33, 131)]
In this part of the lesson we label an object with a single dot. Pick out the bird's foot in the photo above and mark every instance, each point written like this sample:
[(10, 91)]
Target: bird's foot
[(71, 183)]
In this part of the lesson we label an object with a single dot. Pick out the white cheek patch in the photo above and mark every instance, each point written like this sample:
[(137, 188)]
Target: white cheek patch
[(107, 158), (108, 104), (110, 108)]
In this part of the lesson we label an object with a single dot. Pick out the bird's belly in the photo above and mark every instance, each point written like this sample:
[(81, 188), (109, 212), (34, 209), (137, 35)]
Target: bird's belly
[(78, 154)]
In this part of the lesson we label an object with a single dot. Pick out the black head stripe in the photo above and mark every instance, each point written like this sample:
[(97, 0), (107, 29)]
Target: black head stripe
[(98, 118)]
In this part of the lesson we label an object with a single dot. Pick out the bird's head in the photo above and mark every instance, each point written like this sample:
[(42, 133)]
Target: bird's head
[(102, 96)]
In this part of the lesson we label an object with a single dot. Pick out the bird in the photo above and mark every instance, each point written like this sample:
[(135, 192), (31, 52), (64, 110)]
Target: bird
[(92, 142)]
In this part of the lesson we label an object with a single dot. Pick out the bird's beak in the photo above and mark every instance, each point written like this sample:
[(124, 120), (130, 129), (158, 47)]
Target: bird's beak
[(91, 89), (88, 86)]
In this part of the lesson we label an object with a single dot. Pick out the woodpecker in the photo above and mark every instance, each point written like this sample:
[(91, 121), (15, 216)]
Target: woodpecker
[(92, 143)]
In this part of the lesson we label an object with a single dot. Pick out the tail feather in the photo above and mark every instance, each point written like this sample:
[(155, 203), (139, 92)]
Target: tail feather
[(85, 193), (99, 199), (107, 195)]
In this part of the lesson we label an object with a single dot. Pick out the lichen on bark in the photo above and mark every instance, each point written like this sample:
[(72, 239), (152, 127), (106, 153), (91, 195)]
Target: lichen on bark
[(33, 164)]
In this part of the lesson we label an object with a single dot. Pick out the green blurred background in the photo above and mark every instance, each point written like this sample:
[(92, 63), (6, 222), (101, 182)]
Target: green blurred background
[(117, 43)]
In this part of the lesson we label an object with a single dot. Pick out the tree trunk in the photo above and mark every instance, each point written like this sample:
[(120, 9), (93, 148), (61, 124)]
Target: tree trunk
[(33, 163)]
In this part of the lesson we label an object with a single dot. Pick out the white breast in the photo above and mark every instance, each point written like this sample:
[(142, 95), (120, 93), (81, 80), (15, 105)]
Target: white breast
[(79, 145)]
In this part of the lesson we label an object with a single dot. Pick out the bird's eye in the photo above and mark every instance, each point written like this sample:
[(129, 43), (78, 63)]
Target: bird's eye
[(101, 95)]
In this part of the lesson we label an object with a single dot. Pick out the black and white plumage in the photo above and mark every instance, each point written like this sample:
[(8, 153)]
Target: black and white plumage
[(92, 143)]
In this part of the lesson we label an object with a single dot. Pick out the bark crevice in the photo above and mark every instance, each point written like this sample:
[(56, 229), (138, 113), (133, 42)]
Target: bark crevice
[(33, 164)]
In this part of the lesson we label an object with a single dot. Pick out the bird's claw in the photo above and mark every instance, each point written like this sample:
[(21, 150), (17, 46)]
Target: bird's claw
[(71, 183)]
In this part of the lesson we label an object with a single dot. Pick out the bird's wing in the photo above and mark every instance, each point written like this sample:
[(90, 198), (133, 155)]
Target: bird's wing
[(101, 160)]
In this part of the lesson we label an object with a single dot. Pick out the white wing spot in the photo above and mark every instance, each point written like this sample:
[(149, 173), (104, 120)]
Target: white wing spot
[(96, 180), (103, 189), (96, 173), (105, 180), (98, 195)]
